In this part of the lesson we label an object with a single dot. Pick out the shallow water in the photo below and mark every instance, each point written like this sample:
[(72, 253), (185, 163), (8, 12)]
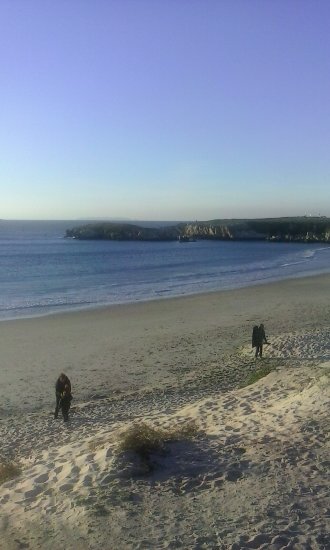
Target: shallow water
[(42, 272)]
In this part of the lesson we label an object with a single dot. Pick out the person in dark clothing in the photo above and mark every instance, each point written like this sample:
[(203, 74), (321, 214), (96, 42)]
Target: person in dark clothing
[(65, 402), (63, 395), (255, 336), (258, 339)]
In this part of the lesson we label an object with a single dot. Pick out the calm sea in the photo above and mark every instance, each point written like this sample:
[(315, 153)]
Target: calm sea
[(42, 272)]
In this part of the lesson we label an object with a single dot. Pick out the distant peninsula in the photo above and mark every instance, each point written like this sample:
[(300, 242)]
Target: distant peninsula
[(293, 229)]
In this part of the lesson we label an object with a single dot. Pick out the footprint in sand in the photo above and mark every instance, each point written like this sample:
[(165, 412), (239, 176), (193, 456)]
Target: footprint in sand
[(233, 474), (41, 479), (229, 404), (232, 440), (247, 409), (217, 483), (66, 487), (62, 460), (106, 480), (87, 481), (232, 429), (33, 493), (75, 470)]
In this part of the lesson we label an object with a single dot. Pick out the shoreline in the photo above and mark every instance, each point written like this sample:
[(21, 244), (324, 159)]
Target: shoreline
[(198, 296), (94, 307)]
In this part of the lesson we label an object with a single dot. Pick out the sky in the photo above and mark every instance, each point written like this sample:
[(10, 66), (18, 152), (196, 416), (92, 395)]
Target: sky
[(164, 109)]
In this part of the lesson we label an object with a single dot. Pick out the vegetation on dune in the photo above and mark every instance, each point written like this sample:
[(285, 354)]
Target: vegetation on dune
[(8, 471), (257, 375), (144, 439)]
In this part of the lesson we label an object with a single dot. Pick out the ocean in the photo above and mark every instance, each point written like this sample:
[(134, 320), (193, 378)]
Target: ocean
[(42, 272)]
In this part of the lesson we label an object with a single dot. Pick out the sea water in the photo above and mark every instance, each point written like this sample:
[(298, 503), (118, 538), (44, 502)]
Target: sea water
[(41, 272)]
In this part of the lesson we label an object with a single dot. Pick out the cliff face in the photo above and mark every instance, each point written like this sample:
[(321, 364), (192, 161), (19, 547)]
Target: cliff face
[(202, 231), (281, 229), (276, 229), (221, 232)]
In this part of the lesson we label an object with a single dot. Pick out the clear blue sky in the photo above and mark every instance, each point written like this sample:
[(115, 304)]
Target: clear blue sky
[(164, 109)]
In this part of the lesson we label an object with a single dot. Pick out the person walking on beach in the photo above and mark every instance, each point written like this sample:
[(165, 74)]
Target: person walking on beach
[(63, 395), (258, 339)]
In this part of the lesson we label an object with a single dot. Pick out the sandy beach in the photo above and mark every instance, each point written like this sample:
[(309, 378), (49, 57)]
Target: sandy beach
[(255, 473)]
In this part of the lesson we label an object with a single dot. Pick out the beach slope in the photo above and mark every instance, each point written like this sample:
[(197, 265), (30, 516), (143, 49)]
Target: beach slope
[(235, 466)]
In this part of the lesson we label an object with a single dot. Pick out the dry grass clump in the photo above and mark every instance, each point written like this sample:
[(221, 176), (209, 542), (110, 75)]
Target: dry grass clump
[(8, 471), (145, 439)]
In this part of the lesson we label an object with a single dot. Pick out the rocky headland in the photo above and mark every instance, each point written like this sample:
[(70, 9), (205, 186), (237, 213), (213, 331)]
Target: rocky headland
[(298, 229)]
